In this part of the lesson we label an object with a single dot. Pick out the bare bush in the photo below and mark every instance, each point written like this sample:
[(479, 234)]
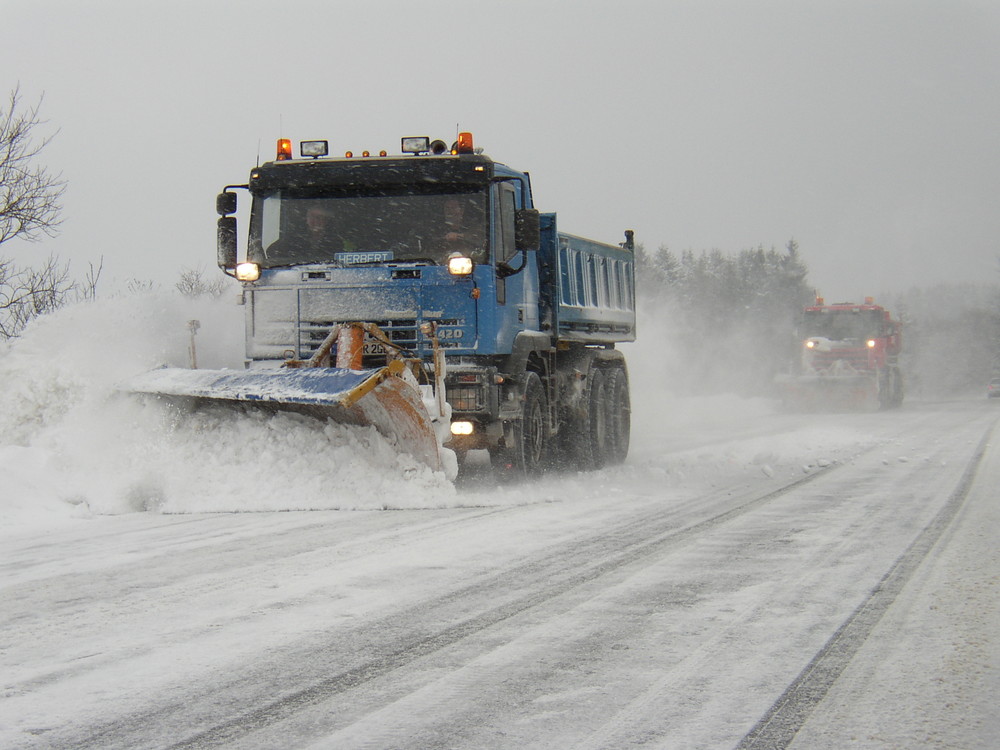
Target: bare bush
[(192, 283), (136, 286), (26, 293)]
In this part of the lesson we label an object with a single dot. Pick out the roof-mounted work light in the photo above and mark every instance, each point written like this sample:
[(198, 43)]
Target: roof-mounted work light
[(314, 149), (416, 145), (284, 149)]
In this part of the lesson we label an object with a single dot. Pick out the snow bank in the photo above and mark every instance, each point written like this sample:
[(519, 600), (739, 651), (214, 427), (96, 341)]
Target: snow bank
[(71, 445)]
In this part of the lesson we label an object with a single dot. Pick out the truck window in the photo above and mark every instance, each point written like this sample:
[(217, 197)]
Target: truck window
[(846, 325), (507, 249), (389, 224)]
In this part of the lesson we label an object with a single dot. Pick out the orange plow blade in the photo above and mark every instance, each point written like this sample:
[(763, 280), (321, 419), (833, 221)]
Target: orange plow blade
[(383, 398)]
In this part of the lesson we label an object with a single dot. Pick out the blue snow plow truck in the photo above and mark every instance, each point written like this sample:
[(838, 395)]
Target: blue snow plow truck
[(425, 295)]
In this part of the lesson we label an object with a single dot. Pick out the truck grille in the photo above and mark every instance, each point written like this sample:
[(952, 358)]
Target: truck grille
[(404, 333), (466, 397), (854, 358)]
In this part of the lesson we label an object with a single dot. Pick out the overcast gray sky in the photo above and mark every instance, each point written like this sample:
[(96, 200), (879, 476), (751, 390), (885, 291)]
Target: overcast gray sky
[(867, 131)]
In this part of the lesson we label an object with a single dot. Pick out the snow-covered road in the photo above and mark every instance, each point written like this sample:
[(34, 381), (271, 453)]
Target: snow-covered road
[(751, 579)]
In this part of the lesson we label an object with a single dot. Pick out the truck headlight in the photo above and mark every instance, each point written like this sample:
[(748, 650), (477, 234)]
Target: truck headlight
[(247, 271), (459, 265), (462, 427)]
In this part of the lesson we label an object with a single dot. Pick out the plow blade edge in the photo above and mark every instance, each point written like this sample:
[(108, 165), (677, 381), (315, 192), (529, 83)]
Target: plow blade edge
[(379, 397)]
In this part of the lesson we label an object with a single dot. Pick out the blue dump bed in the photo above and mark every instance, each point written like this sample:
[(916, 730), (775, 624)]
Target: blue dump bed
[(588, 286)]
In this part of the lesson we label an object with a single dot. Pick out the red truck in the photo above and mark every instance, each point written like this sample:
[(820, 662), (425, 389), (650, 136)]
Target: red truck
[(848, 358)]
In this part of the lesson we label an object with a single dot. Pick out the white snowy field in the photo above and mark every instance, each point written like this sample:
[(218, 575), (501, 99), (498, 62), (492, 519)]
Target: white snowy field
[(223, 580)]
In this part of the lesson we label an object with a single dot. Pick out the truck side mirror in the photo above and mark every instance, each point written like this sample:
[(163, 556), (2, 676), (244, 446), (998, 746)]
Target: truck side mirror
[(629, 243), (527, 229), (225, 204), (226, 238)]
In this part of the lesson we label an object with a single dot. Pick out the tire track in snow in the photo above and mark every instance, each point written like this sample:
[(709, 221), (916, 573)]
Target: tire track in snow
[(546, 580), (788, 714), (263, 695)]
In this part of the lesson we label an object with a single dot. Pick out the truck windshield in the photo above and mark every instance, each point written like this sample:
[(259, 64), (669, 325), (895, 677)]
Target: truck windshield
[(293, 227), (842, 325)]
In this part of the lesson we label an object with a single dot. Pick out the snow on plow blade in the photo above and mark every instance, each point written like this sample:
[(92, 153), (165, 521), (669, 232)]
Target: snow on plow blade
[(378, 397)]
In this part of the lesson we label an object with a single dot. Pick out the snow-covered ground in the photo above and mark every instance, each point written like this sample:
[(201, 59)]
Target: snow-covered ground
[(664, 603)]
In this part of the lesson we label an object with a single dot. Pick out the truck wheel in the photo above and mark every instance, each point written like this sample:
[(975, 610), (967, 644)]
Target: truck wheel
[(884, 389), (900, 389), (527, 455), (587, 438), (619, 415), (586, 433)]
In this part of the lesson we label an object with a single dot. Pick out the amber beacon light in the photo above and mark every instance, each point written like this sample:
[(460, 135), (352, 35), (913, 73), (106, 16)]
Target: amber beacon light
[(464, 144)]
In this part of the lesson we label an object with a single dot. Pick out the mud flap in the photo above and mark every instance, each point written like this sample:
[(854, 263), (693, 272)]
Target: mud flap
[(382, 397)]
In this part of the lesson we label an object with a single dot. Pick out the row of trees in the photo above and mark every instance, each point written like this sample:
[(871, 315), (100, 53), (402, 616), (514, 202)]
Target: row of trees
[(728, 321)]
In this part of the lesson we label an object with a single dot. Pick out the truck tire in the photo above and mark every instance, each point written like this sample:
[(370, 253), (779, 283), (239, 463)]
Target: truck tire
[(586, 444), (619, 415), (529, 452), (885, 388)]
